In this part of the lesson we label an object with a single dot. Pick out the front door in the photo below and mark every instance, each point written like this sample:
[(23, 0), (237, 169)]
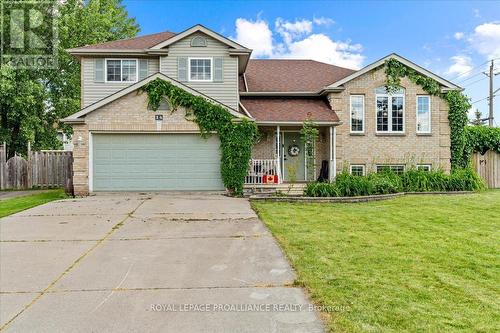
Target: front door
[(293, 157)]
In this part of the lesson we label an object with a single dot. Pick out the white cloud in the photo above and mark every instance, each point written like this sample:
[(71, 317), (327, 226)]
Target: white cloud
[(290, 31), (323, 21), (255, 35), (458, 35), (321, 48), (461, 66), (298, 42), (486, 39)]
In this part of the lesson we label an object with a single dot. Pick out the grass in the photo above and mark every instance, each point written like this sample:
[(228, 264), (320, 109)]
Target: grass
[(415, 263), (15, 205)]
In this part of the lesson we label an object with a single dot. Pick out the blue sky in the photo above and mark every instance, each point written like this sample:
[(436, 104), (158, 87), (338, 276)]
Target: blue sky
[(452, 39)]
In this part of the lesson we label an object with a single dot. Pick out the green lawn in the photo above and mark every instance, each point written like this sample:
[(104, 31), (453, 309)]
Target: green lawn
[(14, 205), (415, 263)]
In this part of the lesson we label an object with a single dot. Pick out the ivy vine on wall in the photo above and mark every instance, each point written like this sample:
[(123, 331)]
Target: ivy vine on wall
[(236, 136)]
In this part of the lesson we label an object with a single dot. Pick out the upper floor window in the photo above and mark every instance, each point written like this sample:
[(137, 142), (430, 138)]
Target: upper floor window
[(121, 70), (357, 113), (200, 69), (423, 114), (390, 110)]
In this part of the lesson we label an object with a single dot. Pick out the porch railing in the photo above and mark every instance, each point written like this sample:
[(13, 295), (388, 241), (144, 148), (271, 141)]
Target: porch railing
[(263, 172)]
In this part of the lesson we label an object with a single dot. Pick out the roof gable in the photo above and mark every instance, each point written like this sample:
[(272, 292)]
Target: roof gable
[(443, 82), (77, 117), (200, 28)]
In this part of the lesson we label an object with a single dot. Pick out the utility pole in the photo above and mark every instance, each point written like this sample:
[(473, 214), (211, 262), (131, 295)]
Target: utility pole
[(491, 74), (490, 120)]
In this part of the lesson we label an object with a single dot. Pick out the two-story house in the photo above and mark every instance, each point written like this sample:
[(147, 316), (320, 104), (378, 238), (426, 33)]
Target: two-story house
[(121, 144)]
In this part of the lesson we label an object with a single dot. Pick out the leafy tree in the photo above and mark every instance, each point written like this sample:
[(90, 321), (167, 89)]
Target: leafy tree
[(32, 101)]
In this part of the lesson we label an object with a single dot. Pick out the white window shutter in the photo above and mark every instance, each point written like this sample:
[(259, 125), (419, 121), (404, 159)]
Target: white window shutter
[(99, 70), (182, 72), (143, 69), (218, 69)]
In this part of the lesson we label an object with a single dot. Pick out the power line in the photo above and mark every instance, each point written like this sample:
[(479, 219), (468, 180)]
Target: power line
[(473, 68), (470, 84), (482, 99), (470, 77)]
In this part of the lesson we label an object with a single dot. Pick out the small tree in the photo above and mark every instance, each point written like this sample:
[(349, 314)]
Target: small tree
[(309, 134)]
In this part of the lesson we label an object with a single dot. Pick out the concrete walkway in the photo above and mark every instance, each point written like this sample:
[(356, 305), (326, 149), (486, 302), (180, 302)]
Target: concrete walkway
[(168, 262)]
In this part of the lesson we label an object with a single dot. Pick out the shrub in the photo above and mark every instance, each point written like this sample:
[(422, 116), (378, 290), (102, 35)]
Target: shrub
[(465, 179), (388, 182), (424, 181), (352, 186), (321, 190)]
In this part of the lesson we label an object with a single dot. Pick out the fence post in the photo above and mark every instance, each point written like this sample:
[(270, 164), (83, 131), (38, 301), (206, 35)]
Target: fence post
[(3, 152), (29, 160)]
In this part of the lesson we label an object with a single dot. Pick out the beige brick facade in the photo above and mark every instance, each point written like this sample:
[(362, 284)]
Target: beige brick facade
[(126, 114), (373, 148)]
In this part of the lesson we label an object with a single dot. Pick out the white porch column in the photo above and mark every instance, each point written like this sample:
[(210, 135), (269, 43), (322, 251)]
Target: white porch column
[(333, 154)]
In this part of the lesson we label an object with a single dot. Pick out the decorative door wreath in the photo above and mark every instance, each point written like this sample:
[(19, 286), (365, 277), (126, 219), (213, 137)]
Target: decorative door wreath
[(293, 150)]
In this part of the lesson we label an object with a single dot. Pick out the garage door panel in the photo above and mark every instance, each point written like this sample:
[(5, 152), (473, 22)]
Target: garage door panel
[(155, 162)]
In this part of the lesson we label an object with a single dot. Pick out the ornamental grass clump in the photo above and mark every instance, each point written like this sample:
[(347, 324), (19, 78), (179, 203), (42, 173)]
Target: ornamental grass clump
[(388, 182)]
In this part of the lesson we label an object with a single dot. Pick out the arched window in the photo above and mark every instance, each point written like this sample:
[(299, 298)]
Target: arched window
[(198, 41), (390, 110)]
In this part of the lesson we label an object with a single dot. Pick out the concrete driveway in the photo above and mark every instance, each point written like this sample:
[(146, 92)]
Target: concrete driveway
[(169, 262)]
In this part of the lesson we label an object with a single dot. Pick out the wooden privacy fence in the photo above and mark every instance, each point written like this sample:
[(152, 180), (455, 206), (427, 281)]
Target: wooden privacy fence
[(44, 169), (488, 167)]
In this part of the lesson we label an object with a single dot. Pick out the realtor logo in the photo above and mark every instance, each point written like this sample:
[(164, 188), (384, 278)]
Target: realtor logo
[(29, 34)]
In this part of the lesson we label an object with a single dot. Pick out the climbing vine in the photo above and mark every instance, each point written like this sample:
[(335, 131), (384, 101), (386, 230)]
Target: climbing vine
[(481, 139), (458, 106), (309, 134), (236, 136)]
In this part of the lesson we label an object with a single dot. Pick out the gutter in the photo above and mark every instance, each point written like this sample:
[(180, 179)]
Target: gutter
[(279, 93), (300, 123)]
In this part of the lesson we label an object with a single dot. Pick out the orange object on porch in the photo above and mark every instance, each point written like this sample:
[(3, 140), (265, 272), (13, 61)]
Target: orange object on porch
[(270, 179)]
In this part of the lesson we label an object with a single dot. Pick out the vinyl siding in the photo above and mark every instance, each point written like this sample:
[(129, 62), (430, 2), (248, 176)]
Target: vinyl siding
[(95, 91), (225, 92)]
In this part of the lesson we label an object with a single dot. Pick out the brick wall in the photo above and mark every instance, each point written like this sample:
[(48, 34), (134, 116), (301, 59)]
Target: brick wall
[(126, 114), (373, 148)]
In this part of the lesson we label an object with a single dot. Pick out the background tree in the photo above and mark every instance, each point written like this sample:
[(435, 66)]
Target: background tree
[(32, 101)]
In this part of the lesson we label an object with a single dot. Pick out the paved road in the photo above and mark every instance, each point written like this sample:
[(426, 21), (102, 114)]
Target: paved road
[(169, 262)]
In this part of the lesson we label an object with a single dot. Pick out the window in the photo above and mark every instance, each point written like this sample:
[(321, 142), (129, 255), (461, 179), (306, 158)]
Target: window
[(200, 69), (398, 169), (357, 170), (121, 70), (357, 113), (423, 167), (390, 111), (164, 105), (423, 114)]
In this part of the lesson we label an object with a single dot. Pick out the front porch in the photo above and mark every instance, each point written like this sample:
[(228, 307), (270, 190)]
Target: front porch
[(280, 162)]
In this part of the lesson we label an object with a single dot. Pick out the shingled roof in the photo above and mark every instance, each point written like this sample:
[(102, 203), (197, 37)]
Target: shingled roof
[(136, 43), (286, 75), (289, 110)]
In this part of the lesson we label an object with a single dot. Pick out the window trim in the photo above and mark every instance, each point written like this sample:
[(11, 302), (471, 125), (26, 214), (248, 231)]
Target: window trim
[(416, 115), (121, 70), (389, 165), (211, 68), (358, 165), (389, 123), (425, 165), (363, 114)]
